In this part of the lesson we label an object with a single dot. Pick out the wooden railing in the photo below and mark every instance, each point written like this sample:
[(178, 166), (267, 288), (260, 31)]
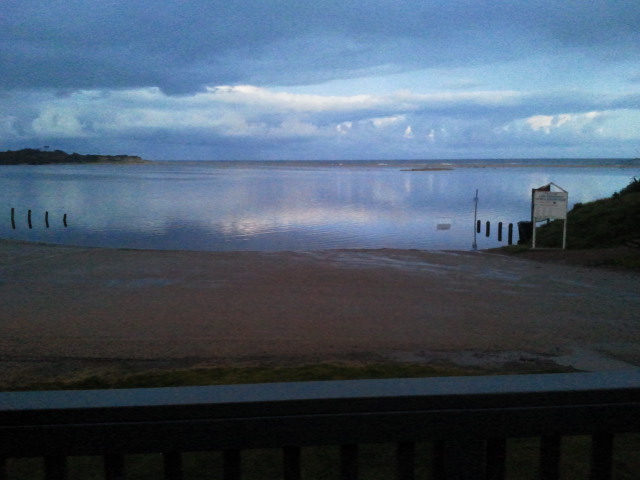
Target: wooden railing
[(468, 420)]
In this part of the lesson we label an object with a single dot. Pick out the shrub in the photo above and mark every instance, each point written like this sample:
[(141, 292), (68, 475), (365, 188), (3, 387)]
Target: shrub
[(633, 187)]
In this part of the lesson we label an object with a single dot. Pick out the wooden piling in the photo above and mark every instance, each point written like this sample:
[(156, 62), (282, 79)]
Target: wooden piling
[(29, 219), (499, 231), (64, 220), (478, 226), (488, 228), (13, 218), (46, 219), (510, 237)]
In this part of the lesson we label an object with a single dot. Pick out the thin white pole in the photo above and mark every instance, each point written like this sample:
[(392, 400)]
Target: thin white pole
[(533, 219), (564, 226)]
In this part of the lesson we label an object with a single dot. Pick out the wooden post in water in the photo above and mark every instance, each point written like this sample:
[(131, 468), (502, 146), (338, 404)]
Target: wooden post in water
[(499, 231), (64, 220), (510, 238), (29, 219), (13, 218), (46, 219), (488, 228)]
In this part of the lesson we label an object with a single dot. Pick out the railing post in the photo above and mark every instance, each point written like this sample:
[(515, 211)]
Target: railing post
[(349, 462), (172, 465), (114, 467), (496, 458), (464, 459), (55, 468), (437, 467), (291, 463), (405, 460), (601, 456), (231, 465), (550, 457)]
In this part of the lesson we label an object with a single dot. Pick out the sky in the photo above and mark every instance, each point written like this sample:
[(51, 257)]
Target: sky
[(325, 80)]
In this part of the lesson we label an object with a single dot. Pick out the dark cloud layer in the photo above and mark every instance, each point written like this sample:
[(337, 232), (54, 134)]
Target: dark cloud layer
[(322, 79), (182, 46)]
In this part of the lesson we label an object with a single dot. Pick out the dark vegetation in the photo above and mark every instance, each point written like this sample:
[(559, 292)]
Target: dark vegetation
[(32, 156), (604, 232), (267, 374), (607, 222)]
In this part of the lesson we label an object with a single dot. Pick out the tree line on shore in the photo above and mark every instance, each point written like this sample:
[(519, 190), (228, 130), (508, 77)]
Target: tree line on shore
[(32, 156)]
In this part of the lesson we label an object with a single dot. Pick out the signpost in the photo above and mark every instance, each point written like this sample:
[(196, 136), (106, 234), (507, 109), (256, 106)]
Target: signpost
[(548, 205)]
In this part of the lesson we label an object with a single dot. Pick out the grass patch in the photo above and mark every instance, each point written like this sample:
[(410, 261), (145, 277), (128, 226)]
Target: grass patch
[(516, 248), (630, 262), (261, 374), (607, 222)]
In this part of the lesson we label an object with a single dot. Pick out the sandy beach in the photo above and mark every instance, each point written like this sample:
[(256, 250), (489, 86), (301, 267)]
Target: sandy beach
[(86, 310)]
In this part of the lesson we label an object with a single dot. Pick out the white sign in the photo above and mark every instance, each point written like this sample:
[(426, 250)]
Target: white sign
[(551, 205), (444, 223)]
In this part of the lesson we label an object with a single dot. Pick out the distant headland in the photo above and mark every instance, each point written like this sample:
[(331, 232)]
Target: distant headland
[(32, 156)]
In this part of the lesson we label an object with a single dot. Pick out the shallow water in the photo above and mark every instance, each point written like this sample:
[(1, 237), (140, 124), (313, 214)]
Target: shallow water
[(224, 206)]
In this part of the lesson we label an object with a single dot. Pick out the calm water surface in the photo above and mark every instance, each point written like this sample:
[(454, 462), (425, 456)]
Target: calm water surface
[(225, 206)]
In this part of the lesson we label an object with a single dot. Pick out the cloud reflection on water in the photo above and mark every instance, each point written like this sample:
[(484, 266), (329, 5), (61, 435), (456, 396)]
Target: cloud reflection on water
[(207, 207)]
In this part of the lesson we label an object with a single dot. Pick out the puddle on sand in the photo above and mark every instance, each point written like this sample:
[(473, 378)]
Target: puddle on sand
[(377, 260), (591, 361), (139, 282), (579, 358)]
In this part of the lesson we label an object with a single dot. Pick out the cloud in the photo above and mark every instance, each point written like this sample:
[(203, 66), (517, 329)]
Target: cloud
[(183, 47), (289, 79), (547, 122), (232, 119)]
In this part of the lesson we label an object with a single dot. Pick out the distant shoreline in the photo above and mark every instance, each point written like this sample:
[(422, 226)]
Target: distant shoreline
[(59, 157), (420, 165), (30, 156), (520, 165)]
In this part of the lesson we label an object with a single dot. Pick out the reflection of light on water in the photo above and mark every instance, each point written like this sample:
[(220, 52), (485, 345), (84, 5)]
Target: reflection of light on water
[(189, 206), (257, 223)]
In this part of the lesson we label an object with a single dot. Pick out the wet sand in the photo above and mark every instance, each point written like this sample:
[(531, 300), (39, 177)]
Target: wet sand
[(94, 308)]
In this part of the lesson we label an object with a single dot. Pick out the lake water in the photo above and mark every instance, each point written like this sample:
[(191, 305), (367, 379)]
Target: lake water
[(272, 206)]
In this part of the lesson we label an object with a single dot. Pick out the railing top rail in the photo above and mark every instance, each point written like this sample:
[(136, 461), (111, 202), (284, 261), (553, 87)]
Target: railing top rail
[(316, 413), (340, 396)]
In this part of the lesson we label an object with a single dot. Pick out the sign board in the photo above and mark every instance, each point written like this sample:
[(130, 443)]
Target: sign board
[(548, 205), (552, 205), (444, 223)]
